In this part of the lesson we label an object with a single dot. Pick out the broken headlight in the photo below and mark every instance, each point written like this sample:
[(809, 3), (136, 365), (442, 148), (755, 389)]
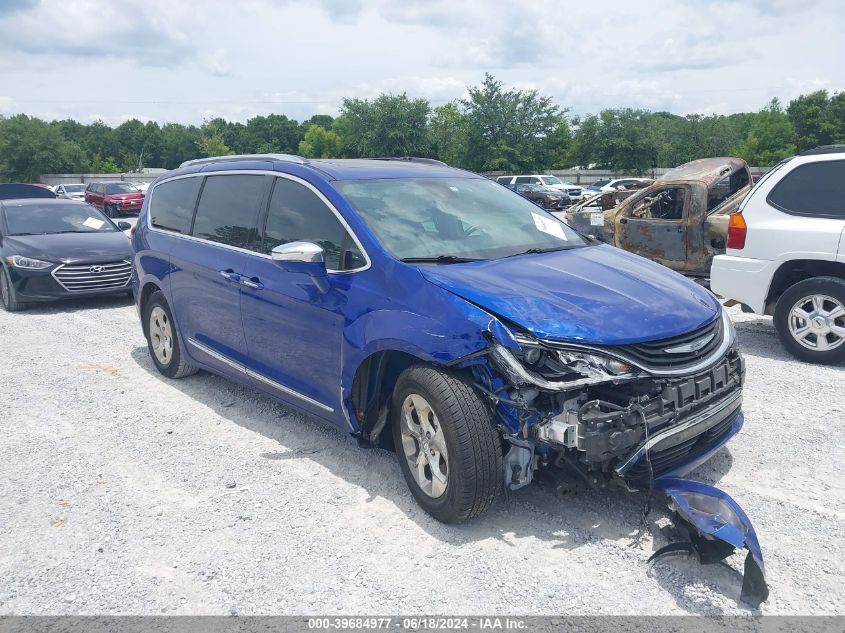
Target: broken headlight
[(558, 369)]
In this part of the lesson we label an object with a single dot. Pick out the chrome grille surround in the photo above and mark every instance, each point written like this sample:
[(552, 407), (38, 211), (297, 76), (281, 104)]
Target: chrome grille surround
[(79, 278)]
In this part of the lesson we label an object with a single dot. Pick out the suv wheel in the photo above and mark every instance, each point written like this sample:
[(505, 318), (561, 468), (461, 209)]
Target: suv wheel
[(163, 340), (8, 297), (447, 444), (810, 319)]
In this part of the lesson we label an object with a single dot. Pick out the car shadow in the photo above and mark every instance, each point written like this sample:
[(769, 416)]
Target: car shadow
[(612, 516), (65, 306)]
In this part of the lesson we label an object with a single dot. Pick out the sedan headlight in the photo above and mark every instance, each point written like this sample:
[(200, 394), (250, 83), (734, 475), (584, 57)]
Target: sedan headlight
[(19, 261)]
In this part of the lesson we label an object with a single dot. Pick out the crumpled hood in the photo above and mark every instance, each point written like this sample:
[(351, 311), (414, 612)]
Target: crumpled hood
[(73, 247), (599, 294)]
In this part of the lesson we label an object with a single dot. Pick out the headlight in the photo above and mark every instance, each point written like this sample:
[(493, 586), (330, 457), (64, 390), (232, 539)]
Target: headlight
[(558, 369), (19, 261)]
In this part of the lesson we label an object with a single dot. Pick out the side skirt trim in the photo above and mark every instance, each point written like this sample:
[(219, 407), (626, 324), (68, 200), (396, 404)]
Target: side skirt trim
[(260, 377)]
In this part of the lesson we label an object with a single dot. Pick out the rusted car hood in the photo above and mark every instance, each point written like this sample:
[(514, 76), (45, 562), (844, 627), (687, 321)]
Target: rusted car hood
[(597, 294)]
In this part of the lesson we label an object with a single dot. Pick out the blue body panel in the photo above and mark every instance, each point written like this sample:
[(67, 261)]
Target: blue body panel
[(313, 342)]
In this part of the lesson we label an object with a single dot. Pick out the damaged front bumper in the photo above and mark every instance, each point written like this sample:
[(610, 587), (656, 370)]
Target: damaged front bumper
[(716, 525), (639, 416)]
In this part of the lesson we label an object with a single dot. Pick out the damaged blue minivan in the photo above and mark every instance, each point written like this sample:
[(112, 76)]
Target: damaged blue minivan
[(433, 310)]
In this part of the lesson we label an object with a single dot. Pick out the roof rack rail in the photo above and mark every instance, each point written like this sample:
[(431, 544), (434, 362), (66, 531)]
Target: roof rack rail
[(415, 159), (824, 149), (289, 158)]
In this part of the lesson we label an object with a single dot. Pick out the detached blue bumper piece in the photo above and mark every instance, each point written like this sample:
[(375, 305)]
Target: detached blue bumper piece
[(716, 526)]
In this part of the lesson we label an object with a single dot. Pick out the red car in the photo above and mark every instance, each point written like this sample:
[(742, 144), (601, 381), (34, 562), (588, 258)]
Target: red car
[(114, 198)]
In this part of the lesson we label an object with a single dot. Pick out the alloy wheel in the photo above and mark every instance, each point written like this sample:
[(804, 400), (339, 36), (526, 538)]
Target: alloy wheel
[(817, 322), (424, 445), (161, 335)]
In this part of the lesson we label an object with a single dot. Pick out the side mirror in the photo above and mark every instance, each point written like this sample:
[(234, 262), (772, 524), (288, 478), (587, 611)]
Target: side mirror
[(303, 257), (124, 226)]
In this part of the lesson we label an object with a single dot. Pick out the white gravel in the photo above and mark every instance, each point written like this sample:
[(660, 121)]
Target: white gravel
[(116, 498)]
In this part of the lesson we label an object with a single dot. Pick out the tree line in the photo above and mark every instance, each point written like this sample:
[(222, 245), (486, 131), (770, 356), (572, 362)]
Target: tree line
[(493, 129)]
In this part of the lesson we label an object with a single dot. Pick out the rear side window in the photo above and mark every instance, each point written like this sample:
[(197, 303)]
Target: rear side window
[(298, 214), (814, 189), (172, 204), (504, 180), (527, 179), (228, 210)]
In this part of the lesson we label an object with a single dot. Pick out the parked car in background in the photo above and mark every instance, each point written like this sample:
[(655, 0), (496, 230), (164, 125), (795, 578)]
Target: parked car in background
[(142, 186), (71, 191), (680, 221), (58, 249), (786, 254), (16, 190), (574, 192), (545, 197), (616, 184), (114, 198)]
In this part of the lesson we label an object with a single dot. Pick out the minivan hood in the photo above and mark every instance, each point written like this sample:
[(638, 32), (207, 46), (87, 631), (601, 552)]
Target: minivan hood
[(73, 247), (598, 294)]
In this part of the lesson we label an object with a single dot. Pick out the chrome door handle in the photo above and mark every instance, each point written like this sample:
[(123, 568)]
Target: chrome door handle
[(252, 283), (231, 275)]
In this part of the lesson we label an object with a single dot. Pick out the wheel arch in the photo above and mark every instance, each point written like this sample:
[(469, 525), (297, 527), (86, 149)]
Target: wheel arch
[(793, 271)]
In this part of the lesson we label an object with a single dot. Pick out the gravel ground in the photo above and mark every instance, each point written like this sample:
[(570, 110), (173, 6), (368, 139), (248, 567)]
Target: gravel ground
[(116, 496)]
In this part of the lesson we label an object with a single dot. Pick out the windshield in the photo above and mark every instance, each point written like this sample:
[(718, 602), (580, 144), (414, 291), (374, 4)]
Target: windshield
[(458, 218), (74, 188), (552, 180), (121, 187), (35, 219)]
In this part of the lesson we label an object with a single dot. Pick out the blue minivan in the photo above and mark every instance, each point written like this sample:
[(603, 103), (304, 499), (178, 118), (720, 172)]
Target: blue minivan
[(431, 310)]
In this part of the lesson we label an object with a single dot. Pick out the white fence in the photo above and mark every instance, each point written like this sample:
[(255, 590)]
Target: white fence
[(148, 175)]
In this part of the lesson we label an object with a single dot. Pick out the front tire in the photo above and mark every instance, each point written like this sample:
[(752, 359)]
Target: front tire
[(163, 338), (447, 444), (810, 320), (8, 296)]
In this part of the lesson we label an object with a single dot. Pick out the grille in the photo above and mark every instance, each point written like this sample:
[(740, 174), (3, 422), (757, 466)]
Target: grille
[(665, 460), (654, 354), (97, 276)]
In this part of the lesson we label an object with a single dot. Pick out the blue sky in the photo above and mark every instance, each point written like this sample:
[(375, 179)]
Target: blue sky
[(188, 60)]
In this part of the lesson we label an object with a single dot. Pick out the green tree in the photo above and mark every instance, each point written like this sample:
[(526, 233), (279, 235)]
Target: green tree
[(273, 133), (389, 125), (448, 134), (811, 116), (320, 143), (212, 142), (771, 138), (507, 129), (30, 147)]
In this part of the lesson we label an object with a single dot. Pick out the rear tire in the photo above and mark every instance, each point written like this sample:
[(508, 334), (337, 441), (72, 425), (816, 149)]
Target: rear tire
[(163, 338), (810, 320), (441, 423), (8, 296)]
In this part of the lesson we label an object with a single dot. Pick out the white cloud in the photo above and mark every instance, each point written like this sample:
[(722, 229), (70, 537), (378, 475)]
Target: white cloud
[(187, 60), (217, 63)]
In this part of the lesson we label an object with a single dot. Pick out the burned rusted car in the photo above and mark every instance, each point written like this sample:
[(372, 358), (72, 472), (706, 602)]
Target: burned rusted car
[(681, 221)]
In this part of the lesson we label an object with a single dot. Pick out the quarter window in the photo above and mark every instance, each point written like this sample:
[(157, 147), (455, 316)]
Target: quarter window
[(172, 204), (228, 210), (814, 189), (297, 214)]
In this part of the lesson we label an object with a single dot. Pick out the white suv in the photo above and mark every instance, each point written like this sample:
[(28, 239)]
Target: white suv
[(574, 192), (786, 253)]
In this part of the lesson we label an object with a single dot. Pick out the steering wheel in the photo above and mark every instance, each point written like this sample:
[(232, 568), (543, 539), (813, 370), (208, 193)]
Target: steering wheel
[(473, 230)]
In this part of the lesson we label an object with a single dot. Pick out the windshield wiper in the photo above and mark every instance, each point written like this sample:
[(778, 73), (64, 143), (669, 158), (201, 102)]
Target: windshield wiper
[(440, 259), (535, 251)]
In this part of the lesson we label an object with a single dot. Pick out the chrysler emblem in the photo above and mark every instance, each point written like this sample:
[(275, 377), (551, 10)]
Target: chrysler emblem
[(689, 347), (96, 269)]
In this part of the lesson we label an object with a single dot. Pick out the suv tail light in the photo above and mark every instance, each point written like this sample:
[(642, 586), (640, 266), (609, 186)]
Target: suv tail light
[(737, 230)]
